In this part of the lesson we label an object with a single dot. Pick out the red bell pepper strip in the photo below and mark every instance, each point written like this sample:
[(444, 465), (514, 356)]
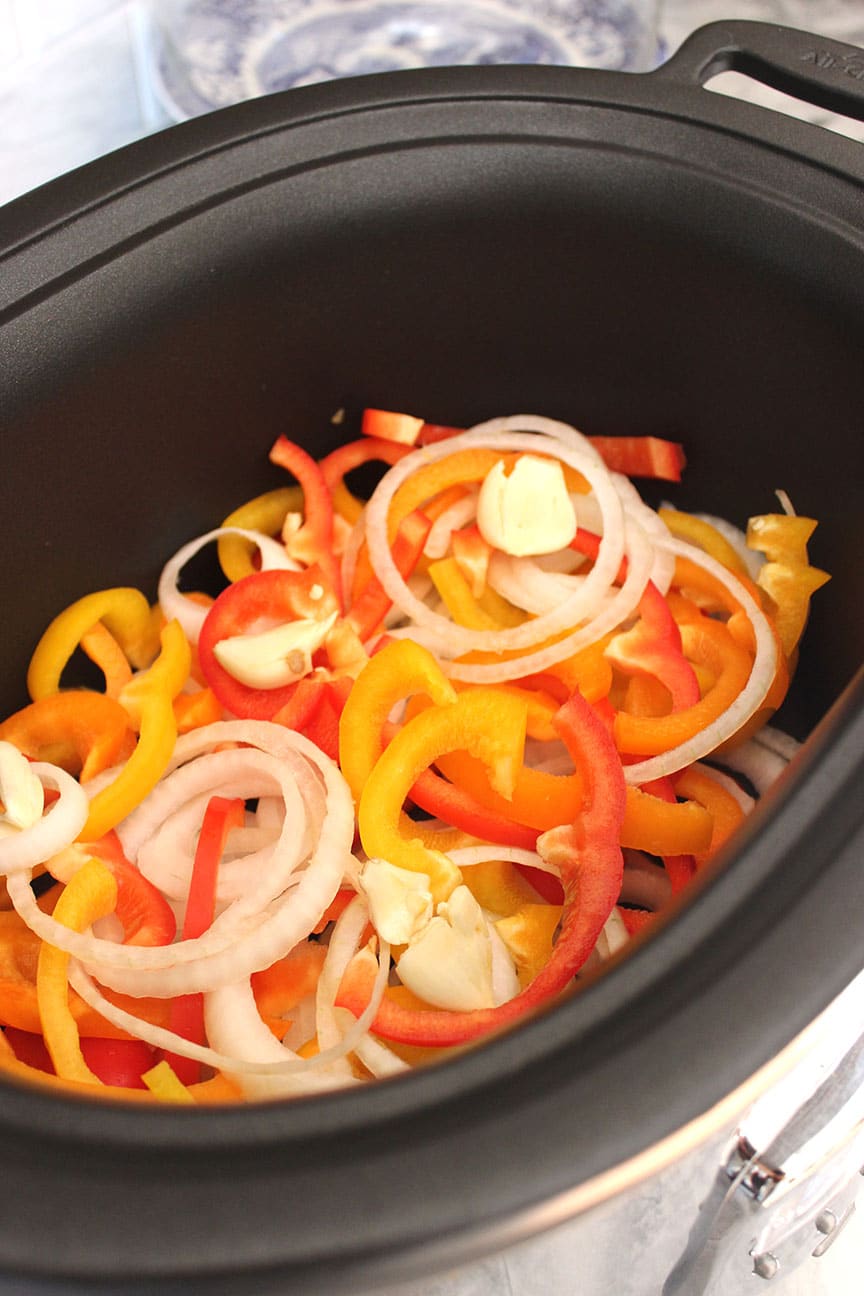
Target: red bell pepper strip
[(372, 603), (187, 1011), (635, 456), (345, 458), (114, 1061), (591, 865), (313, 543), (144, 913), (270, 597), (653, 645)]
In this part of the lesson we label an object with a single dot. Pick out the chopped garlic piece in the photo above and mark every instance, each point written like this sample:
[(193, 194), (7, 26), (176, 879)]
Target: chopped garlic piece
[(21, 792), (449, 963), (528, 510), (400, 901), (274, 657)]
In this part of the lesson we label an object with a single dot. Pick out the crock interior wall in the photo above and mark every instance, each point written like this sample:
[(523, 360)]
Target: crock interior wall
[(622, 292)]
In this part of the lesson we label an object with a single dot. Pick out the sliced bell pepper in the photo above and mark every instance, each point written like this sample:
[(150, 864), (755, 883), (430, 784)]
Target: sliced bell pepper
[(726, 812), (143, 912), (91, 894), (267, 597), (641, 456), (680, 865), (265, 513), (80, 731), (345, 458), (786, 576), (105, 652), (148, 700), (485, 722), (371, 603), (126, 614), (187, 1011), (312, 544), (589, 858), (696, 530), (709, 643)]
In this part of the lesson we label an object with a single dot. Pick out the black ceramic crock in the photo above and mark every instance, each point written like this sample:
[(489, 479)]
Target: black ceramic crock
[(631, 253)]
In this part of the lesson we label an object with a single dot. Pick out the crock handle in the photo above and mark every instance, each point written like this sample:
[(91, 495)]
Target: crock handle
[(824, 72)]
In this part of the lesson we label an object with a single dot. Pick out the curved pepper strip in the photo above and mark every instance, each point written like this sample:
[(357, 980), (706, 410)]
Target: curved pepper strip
[(680, 865), (709, 644), (699, 532), (589, 858), (265, 513), (399, 670), (105, 652), (148, 699), (82, 732), (345, 458), (371, 603), (485, 722), (90, 895), (124, 611), (313, 542), (786, 576), (267, 595), (726, 812)]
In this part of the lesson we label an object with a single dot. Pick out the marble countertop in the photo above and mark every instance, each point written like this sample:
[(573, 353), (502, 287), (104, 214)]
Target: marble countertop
[(74, 85)]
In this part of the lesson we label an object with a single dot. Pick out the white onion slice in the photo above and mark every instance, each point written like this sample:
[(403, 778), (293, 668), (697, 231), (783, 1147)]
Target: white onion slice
[(458, 515), (453, 639), (191, 615), (24, 849)]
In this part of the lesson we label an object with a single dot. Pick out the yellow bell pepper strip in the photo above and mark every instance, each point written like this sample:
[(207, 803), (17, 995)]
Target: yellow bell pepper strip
[(91, 894), (485, 722), (698, 532), (166, 1085), (187, 1010), (461, 468), (529, 934), (126, 614), (400, 670), (499, 887), (148, 700), (726, 812), (82, 732), (265, 513), (264, 598), (105, 652), (345, 458), (589, 858), (786, 576), (710, 644), (457, 596), (312, 544)]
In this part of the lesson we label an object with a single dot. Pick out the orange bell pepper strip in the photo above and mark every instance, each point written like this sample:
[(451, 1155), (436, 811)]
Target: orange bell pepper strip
[(148, 699), (194, 710), (662, 825), (485, 722), (710, 644), (589, 858), (125, 612), (91, 894), (265, 513), (786, 576), (280, 988), (105, 652), (726, 812), (80, 731)]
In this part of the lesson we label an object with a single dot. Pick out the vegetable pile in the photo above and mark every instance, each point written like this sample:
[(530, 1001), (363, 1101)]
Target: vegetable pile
[(424, 763)]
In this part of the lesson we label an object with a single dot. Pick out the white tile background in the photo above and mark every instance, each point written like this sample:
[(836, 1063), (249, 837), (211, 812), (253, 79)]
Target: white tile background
[(74, 85)]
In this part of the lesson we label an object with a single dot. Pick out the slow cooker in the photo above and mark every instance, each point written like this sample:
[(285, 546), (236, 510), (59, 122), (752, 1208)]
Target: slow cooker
[(629, 253)]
